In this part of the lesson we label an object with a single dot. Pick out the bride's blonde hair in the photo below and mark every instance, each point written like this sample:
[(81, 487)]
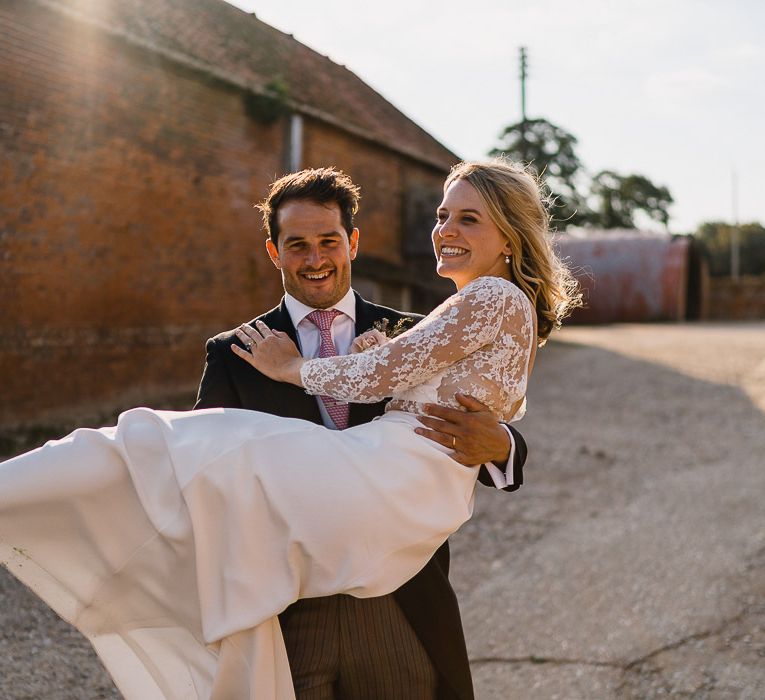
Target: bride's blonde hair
[(514, 200)]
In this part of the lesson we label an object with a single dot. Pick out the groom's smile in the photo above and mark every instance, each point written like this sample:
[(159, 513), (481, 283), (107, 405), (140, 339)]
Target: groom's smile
[(313, 252), (315, 281), (317, 275)]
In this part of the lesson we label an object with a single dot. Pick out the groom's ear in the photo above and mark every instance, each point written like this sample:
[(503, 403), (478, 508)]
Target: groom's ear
[(273, 253), (353, 242)]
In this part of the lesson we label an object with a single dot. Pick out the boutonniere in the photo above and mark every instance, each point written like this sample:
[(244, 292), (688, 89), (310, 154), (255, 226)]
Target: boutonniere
[(403, 324)]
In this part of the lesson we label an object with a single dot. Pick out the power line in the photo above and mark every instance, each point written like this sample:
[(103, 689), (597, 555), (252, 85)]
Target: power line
[(524, 73)]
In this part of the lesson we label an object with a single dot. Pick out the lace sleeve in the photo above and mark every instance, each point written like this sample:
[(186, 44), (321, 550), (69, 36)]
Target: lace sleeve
[(465, 322)]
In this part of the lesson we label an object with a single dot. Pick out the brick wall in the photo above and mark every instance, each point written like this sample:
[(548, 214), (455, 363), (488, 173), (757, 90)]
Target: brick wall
[(742, 300), (127, 234), (384, 178)]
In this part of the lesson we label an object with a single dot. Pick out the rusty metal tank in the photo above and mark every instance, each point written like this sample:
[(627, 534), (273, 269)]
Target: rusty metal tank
[(630, 276)]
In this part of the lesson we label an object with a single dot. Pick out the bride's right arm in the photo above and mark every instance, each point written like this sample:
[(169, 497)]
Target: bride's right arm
[(464, 323)]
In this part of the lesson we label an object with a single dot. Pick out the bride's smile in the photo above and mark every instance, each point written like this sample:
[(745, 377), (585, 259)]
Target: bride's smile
[(467, 243)]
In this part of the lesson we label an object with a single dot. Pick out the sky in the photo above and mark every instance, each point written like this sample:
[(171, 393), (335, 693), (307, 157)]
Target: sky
[(670, 89)]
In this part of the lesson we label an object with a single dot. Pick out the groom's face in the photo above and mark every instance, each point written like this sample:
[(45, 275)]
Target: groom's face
[(314, 252)]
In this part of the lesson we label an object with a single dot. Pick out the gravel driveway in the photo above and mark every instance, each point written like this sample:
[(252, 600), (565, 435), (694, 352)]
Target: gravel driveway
[(632, 562), (630, 565)]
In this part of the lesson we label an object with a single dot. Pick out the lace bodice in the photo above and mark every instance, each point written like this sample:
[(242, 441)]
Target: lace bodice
[(477, 342)]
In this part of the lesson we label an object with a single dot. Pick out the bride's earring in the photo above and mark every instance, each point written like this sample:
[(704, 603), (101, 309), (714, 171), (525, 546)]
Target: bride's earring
[(507, 259)]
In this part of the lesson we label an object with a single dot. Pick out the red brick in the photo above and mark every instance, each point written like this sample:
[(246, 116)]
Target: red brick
[(127, 233)]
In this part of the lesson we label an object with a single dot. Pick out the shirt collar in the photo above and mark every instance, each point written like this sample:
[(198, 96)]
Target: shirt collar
[(298, 310)]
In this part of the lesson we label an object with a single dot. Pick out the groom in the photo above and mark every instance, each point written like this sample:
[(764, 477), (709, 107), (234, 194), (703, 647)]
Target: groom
[(408, 645)]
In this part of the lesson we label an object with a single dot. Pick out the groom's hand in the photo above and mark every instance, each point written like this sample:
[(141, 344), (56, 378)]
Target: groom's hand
[(475, 435)]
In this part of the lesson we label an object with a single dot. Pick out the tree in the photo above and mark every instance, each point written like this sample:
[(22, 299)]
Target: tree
[(716, 237), (551, 151), (619, 197)]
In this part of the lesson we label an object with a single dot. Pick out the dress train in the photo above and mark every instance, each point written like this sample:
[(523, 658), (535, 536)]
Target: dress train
[(174, 539)]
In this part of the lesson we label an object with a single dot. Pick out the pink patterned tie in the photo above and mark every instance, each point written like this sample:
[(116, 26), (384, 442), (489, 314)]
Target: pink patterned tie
[(322, 319)]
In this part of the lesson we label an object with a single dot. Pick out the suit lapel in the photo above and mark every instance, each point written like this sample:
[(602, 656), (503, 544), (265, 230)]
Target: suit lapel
[(279, 319), (366, 315), (293, 399)]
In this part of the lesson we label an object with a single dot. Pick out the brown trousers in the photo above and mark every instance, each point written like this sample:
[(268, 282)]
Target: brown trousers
[(346, 648)]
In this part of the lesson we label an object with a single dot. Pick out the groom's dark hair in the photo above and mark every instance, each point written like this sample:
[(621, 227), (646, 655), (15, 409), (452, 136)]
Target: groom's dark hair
[(321, 185)]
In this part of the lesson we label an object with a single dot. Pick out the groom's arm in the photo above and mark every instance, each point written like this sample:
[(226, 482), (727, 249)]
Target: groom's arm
[(216, 390), (478, 438), (486, 440), (510, 469)]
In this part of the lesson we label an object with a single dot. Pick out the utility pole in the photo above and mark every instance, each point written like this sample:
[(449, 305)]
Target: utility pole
[(524, 66), (735, 245), (524, 73)]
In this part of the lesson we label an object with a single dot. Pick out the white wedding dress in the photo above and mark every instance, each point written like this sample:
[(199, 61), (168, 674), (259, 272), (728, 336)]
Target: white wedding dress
[(174, 539)]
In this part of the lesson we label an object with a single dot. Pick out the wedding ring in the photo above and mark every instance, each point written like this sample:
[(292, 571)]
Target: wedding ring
[(249, 347)]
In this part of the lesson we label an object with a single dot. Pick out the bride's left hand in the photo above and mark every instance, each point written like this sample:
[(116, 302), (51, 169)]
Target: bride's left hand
[(271, 352)]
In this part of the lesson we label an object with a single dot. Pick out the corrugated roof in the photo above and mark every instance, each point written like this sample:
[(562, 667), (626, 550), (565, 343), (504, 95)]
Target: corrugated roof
[(224, 41)]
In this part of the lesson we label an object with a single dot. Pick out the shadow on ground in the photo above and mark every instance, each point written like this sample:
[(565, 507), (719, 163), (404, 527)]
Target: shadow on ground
[(632, 562), (630, 565)]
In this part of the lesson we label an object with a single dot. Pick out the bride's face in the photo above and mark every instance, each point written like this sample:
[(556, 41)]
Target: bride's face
[(466, 241)]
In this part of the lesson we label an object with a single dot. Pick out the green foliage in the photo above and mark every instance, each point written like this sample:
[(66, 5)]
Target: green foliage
[(549, 148), (619, 197), (716, 237), (551, 151), (265, 108)]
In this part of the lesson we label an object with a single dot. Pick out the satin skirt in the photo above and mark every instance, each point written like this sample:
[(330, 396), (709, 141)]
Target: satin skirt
[(173, 540)]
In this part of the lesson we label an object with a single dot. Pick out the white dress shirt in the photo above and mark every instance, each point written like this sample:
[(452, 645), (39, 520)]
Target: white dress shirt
[(343, 332)]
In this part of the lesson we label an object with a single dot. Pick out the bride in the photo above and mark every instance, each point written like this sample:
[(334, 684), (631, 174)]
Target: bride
[(174, 539)]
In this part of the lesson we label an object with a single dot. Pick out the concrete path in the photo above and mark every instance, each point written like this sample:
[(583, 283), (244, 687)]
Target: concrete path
[(632, 562), (630, 565)]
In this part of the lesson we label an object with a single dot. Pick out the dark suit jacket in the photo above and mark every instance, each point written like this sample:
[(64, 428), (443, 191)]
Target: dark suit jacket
[(428, 600)]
